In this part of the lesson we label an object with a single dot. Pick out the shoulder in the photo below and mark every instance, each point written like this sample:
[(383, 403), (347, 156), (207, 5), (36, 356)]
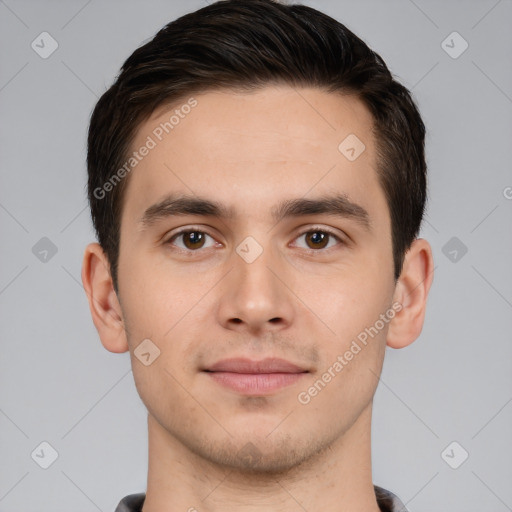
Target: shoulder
[(387, 501), (131, 503)]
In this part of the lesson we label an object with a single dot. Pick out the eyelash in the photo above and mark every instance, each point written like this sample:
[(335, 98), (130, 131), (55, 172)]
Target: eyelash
[(314, 229)]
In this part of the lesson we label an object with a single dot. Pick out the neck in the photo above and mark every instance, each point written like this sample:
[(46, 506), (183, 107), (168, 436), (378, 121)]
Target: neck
[(337, 479)]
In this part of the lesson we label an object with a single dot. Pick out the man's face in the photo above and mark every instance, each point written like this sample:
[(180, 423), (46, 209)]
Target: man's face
[(255, 285)]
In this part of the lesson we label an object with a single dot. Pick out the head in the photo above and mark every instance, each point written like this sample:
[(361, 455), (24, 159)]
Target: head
[(243, 107), (246, 45)]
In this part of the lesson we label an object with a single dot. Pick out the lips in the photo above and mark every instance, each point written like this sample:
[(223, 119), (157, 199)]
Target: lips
[(255, 378), (248, 366)]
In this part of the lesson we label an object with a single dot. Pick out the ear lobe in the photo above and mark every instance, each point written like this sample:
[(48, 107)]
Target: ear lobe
[(411, 292), (103, 302)]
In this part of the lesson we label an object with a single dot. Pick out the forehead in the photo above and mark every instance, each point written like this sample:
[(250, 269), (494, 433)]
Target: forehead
[(249, 149)]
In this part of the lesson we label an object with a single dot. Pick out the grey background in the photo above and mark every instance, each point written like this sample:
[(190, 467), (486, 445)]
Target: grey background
[(58, 384)]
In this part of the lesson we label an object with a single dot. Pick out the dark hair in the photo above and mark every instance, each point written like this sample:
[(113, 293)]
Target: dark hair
[(245, 45)]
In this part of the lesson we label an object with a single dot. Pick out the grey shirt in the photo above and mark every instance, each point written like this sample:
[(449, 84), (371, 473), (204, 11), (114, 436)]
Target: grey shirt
[(386, 500)]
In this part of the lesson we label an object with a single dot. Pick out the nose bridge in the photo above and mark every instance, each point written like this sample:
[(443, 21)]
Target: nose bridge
[(255, 297), (252, 268)]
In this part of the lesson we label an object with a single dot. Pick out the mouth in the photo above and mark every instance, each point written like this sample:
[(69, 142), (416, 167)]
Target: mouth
[(255, 378)]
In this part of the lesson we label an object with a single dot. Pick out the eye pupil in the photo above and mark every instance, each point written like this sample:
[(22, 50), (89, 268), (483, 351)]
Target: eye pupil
[(193, 239), (318, 238)]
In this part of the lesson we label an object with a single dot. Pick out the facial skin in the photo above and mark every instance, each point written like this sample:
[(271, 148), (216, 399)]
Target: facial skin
[(302, 299)]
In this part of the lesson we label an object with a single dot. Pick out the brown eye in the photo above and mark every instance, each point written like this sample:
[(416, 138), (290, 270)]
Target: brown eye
[(191, 240), (317, 239)]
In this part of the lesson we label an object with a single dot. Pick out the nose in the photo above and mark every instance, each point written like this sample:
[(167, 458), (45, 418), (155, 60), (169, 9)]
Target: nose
[(254, 295)]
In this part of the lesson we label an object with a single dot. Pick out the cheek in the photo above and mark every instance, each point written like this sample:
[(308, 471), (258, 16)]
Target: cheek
[(347, 300), (170, 310), (151, 298)]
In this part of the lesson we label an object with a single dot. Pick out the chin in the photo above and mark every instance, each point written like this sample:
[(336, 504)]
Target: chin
[(265, 455)]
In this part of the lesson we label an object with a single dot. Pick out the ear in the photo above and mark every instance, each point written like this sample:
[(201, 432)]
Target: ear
[(411, 292), (103, 302)]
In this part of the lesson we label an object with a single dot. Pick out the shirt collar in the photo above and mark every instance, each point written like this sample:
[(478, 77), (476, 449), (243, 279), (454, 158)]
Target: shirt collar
[(387, 501)]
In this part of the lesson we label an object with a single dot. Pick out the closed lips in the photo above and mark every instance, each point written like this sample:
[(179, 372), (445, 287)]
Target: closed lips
[(248, 366)]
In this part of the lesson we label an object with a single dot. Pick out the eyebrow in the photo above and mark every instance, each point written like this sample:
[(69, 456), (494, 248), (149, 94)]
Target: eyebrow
[(179, 205)]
